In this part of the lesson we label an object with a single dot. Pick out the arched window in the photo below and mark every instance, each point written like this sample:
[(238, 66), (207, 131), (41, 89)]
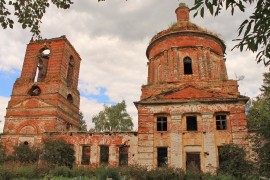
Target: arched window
[(70, 98), (187, 65), (70, 72), (43, 58), (34, 91)]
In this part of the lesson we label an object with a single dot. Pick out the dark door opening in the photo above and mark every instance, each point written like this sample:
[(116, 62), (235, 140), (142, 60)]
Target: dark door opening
[(104, 155), (193, 161), (123, 156)]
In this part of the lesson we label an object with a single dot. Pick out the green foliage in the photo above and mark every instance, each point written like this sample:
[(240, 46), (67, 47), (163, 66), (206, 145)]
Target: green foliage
[(254, 31), (3, 155), (233, 161), (259, 122), (28, 13), (83, 126), (25, 154), (62, 171), (107, 172), (113, 118), (58, 152)]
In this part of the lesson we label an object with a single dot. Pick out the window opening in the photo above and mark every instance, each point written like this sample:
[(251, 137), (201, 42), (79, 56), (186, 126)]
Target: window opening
[(162, 156), (34, 91), (70, 72), (221, 122), (193, 161), (70, 98), (85, 155), (104, 155), (43, 59), (161, 123), (123, 155), (187, 65), (191, 123), (68, 126)]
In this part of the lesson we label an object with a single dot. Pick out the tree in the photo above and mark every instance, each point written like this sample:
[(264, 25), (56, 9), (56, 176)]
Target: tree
[(25, 154), (28, 12), (113, 118), (233, 161), (58, 152), (259, 122), (254, 32), (83, 125)]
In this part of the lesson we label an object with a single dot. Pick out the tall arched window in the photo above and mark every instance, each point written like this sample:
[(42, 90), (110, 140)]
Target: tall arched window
[(43, 58), (187, 65), (70, 72)]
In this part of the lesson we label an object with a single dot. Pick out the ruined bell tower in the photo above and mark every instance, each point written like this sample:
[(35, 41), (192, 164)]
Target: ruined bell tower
[(45, 97)]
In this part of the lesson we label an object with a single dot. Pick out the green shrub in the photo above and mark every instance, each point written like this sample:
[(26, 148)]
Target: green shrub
[(103, 173), (3, 155), (62, 171), (233, 161), (25, 154), (58, 152), (82, 171), (5, 174)]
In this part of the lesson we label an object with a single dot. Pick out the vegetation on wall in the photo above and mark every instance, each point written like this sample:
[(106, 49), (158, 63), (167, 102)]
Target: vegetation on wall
[(24, 153), (113, 118), (58, 152)]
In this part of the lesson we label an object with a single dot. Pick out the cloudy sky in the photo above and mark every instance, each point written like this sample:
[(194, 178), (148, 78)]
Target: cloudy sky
[(111, 38)]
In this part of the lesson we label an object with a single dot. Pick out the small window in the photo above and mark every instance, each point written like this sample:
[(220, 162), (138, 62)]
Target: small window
[(187, 65), (162, 156), (221, 122), (70, 98), (123, 155), (161, 123), (85, 155), (34, 91), (191, 123), (104, 155)]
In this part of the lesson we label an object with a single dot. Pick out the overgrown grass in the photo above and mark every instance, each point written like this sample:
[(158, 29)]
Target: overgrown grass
[(20, 171)]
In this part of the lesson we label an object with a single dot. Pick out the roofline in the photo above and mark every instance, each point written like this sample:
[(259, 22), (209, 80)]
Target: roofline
[(154, 42), (159, 102)]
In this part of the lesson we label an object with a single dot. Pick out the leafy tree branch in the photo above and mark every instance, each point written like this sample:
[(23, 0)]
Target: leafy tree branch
[(253, 33)]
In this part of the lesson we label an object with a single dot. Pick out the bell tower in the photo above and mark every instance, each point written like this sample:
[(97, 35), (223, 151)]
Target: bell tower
[(45, 97)]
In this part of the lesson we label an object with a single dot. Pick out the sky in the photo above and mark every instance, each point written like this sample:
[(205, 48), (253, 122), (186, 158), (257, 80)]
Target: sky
[(111, 38)]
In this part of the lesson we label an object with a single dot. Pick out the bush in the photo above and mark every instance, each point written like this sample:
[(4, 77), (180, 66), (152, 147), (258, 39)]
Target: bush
[(25, 154), (5, 173), (62, 171), (233, 162), (58, 152), (82, 171), (107, 172), (3, 155)]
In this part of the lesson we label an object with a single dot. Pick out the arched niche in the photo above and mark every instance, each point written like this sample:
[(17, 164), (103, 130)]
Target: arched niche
[(43, 58)]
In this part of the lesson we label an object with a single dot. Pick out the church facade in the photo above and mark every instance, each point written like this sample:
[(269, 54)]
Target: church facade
[(187, 109)]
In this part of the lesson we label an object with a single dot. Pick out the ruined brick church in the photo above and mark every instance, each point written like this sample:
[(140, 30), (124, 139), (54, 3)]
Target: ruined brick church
[(187, 109)]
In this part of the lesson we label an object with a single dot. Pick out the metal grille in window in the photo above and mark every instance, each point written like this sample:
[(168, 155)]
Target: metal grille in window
[(221, 122), (104, 154), (85, 155), (162, 156), (193, 161), (123, 156), (191, 123), (162, 123)]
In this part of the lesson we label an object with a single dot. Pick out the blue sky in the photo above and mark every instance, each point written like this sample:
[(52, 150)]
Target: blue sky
[(111, 38)]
